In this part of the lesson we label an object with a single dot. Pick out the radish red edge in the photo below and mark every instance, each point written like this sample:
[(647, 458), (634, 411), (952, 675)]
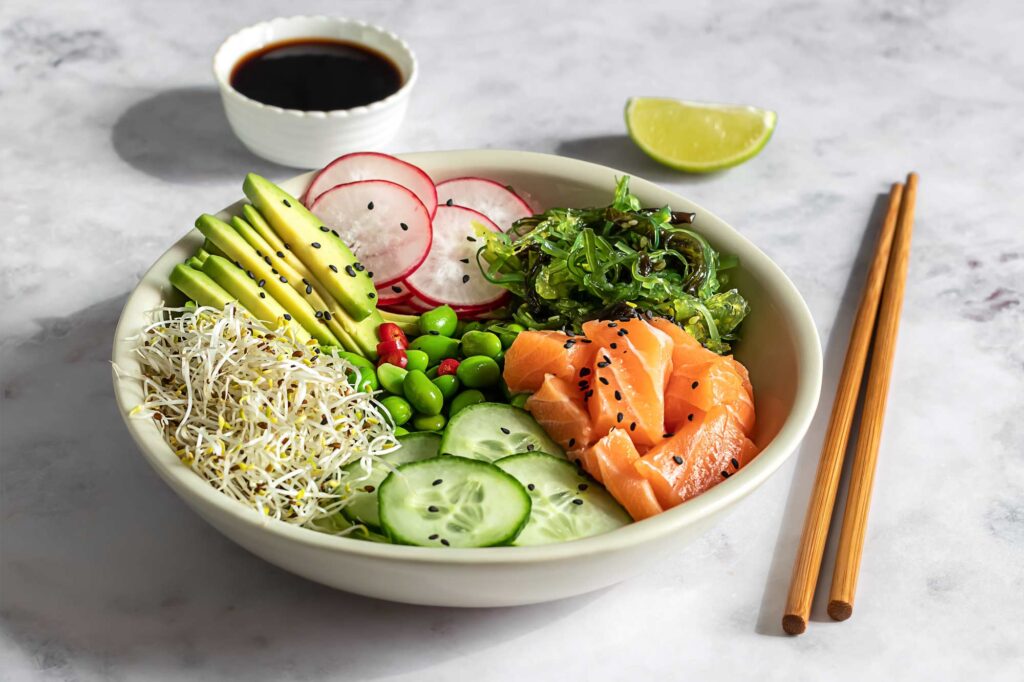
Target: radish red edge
[(428, 181)]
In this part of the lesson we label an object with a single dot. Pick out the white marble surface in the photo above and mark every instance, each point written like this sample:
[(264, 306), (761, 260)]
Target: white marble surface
[(112, 140)]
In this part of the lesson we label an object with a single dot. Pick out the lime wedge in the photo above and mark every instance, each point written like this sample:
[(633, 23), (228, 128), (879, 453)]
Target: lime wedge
[(697, 137)]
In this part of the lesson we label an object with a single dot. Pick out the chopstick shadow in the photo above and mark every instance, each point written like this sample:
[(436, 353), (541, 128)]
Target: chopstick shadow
[(101, 562), (773, 602), (182, 135)]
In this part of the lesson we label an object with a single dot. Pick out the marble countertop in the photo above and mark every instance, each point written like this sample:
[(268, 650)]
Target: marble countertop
[(112, 140)]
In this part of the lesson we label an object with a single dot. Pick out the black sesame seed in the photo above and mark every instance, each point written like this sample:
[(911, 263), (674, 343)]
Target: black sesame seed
[(237, 264), (433, 536), (607, 359), (505, 431), (319, 314), (370, 274), (359, 266), (603, 380), (266, 259), (588, 393), (251, 276), (582, 486), (632, 426), (618, 395), (449, 202), (577, 501), (287, 246), (327, 316), (397, 289), (259, 253), (619, 417), (677, 459), (323, 228), (725, 474), (568, 344), (689, 417), (572, 442), (305, 281), (445, 542), (334, 268), (585, 371), (284, 280), (437, 481), (577, 461), (287, 316), (262, 295), (368, 488), (405, 228), (530, 447), (603, 364), (309, 289), (530, 486), (280, 254), (735, 463), (369, 206), (349, 271), (586, 341), (315, 245), (668, 435), (695, 384), (335, 233), (583, 383), (274, 271), (613, 346), (471, 239), (432, 509), (465, 278), (261, 282), (371, 295), (286, 203), (463, 260), (613, 325), (434, 332)]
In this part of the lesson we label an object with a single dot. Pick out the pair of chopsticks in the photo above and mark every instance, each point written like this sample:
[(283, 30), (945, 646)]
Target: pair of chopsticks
[(877, 321)]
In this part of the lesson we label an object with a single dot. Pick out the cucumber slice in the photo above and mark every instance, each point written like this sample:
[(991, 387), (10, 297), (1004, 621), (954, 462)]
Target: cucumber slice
[(490, 431), (362, 507), (566, 505), (452, 502)]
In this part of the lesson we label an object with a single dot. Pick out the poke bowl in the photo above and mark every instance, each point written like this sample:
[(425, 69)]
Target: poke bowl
[(778, 344)]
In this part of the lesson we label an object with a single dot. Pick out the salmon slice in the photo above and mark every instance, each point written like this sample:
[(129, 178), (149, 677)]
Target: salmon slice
[(558, 408), (587, 460), (616, 459), (630, 372), (695, 459), (701, 379), (536, 353)]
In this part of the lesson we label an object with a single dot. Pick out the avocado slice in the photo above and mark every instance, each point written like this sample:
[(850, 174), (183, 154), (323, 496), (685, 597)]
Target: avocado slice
[(201, 254), (238, 250), (264, 308), (199, 287), (301, 285), (326, 255), (210, 247), (358, 337), (194, 263)]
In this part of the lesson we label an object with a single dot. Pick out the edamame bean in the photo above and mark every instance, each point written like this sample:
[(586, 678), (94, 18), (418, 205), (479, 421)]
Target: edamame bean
[(417, 359), (439, 321), (471, 327), (367, 379), (480, 343), (464, 400), (448, 385), (437, 348), (429, 422), (422, 394), (478, 371), (391, 377), (519, 400), (398, 408)]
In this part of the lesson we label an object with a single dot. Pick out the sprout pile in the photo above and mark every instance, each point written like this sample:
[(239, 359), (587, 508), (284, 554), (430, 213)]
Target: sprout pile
[(263, 418)]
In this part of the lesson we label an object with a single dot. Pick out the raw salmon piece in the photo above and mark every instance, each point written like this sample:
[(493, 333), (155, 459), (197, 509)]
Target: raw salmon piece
[(558, 407), (699, 456), (638, 342), (620, 396), (587, 460), (616, 458), (536, 353)]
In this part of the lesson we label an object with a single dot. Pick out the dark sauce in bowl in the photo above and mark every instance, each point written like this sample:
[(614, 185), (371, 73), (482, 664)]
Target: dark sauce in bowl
[(316, 74)]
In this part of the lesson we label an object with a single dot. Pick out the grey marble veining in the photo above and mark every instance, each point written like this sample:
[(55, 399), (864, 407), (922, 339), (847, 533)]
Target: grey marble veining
[(112, 140)]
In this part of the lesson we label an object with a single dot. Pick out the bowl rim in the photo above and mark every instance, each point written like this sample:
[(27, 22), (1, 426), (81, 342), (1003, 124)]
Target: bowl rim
[(224, 79), (187, 484)]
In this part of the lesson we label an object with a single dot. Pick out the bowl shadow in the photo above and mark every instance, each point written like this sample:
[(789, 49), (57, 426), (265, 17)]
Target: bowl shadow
[(100, 562), (773, 601), (619, 152), (182, 136)]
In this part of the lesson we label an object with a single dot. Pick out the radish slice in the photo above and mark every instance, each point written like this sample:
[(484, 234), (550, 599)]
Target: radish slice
[(373, 166), (450, 273), (495, 201), (386, 226), (393, 293)]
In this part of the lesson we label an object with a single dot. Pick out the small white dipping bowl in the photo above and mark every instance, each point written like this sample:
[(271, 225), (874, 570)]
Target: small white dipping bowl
[(780, 347), (308, 139)]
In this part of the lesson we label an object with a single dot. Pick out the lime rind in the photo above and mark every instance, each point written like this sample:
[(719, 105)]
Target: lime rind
[(733, 153)]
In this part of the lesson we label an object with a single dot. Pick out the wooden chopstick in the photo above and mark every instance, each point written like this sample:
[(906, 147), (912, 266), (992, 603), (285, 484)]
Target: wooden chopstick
[(830, 465), (865, 458)]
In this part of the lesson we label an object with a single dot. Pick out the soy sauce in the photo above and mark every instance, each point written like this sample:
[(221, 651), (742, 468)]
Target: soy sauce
[(316, 74)]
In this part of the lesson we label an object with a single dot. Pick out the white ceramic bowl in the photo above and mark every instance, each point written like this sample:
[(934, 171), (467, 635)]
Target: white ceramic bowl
[(780, 347), (308, 139)]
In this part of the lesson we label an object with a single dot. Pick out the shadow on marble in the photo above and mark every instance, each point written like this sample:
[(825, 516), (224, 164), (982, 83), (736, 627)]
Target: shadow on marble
[(101, 563), (773, 602), (182, 136), (619, 152)]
